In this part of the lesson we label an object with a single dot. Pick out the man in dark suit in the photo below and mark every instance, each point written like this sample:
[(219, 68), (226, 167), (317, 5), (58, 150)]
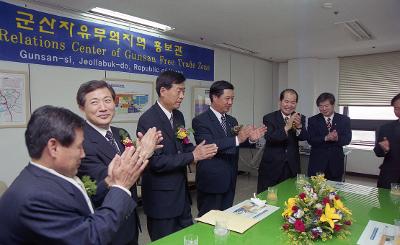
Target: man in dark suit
[(96, 99), (166, 198), (328, 133), (387, 145), (48, 204), (281, 159), (216, 177)]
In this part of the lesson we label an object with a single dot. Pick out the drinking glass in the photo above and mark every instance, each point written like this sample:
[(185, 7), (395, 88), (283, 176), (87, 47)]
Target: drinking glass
[(395, 189), (272, 194), (190, 239), (300, 181), (221, 228)]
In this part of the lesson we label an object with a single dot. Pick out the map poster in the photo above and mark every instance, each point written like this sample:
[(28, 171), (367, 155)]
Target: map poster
[(133, 98), (14, 99), (201, 100)]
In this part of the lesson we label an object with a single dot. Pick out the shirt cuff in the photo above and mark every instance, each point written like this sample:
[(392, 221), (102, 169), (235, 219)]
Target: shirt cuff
[(124, 189), (298, 131), (237, 141)]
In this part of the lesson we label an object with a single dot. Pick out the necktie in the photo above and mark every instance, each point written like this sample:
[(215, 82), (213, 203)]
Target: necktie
[(171, 120), (111, 140), (223, 122), (286, 120), (328, 124)]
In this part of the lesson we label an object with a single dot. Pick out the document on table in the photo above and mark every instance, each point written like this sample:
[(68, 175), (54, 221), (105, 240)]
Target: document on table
[(377, 233), (240, 217), (249, 209)]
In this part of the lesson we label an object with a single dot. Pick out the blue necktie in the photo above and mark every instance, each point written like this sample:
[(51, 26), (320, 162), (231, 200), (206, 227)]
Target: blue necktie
[(111, 140), (223, 122)]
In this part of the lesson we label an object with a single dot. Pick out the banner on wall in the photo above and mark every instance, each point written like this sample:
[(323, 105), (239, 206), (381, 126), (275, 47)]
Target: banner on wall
[(30, 36)]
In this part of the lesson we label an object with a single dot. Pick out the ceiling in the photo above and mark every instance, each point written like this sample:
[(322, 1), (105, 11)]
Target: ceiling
[(276, 30)]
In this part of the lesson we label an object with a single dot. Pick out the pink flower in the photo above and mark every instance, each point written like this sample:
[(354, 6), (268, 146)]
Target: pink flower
[(347, 222), (299, 226), (337, 197), (325, 200), (294, 209), (285, 226), (315, 234), (337, 227), (186, 140), (302, 195), (318, 212)]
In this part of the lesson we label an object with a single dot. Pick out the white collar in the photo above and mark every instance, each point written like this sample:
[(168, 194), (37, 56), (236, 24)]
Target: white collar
[(102, 131), (217, 114), (166, 112), (331, 117), (75, 181), (283, 115)]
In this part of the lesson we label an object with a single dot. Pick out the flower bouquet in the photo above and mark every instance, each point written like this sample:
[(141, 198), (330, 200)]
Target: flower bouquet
[(125, 139), (316, 213), (183, 134)]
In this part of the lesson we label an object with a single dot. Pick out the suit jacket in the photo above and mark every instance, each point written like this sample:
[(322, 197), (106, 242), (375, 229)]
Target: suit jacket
[(98, 155), (41, 208), (391, 161), (328, 154), (218, 174), (279, 146), (164, 181)]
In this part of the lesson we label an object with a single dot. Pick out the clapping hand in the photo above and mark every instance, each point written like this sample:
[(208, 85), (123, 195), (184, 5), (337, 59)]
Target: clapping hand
[(297, 120), (385, 145), (204, 151), (257, 133), (149, 142), (126, 169)]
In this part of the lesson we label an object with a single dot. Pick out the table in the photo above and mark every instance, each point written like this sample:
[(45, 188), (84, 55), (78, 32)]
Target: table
[(377, 205)]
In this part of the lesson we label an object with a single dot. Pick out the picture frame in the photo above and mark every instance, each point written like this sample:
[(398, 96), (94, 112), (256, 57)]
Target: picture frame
[(133, 98), (200, 100), (14, 99)]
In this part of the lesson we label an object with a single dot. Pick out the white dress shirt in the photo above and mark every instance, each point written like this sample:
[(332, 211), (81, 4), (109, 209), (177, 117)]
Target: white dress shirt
[(75, 181)]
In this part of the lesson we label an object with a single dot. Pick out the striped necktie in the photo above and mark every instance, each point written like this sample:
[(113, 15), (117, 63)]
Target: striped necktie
[(328, 124), (223, 122), (111, 140)]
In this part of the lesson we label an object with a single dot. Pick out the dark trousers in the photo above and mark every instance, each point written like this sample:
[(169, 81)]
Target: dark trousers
[(159, 228), (268, 179), (387, 176), (214, 201)]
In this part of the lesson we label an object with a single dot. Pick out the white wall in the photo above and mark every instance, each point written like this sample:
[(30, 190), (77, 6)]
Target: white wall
[(311, 77), (57, 86)]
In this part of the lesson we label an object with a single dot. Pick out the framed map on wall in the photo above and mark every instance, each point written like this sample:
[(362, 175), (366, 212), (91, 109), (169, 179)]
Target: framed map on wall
[(133, 98), (200, 100), (14, 99)]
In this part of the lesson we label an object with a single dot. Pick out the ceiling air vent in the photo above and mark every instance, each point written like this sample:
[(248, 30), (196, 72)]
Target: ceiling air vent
[(357, 30)]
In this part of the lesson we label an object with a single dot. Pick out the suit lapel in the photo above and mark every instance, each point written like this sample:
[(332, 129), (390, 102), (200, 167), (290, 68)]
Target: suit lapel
[(216, 124), (165, 124), (118, 139), (67, 186), (101, 143)]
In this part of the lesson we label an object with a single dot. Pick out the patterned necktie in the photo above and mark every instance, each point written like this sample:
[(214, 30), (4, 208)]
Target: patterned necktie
[(223, 122), (328, 124), (111, 140), (286, 120), (171, 120)]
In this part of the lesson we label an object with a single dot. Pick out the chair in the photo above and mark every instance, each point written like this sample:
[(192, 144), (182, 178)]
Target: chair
[(3, 187)]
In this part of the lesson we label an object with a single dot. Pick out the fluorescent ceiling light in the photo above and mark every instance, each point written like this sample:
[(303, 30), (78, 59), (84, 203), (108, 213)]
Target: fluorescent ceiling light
[(132, 19), (236, 48)]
